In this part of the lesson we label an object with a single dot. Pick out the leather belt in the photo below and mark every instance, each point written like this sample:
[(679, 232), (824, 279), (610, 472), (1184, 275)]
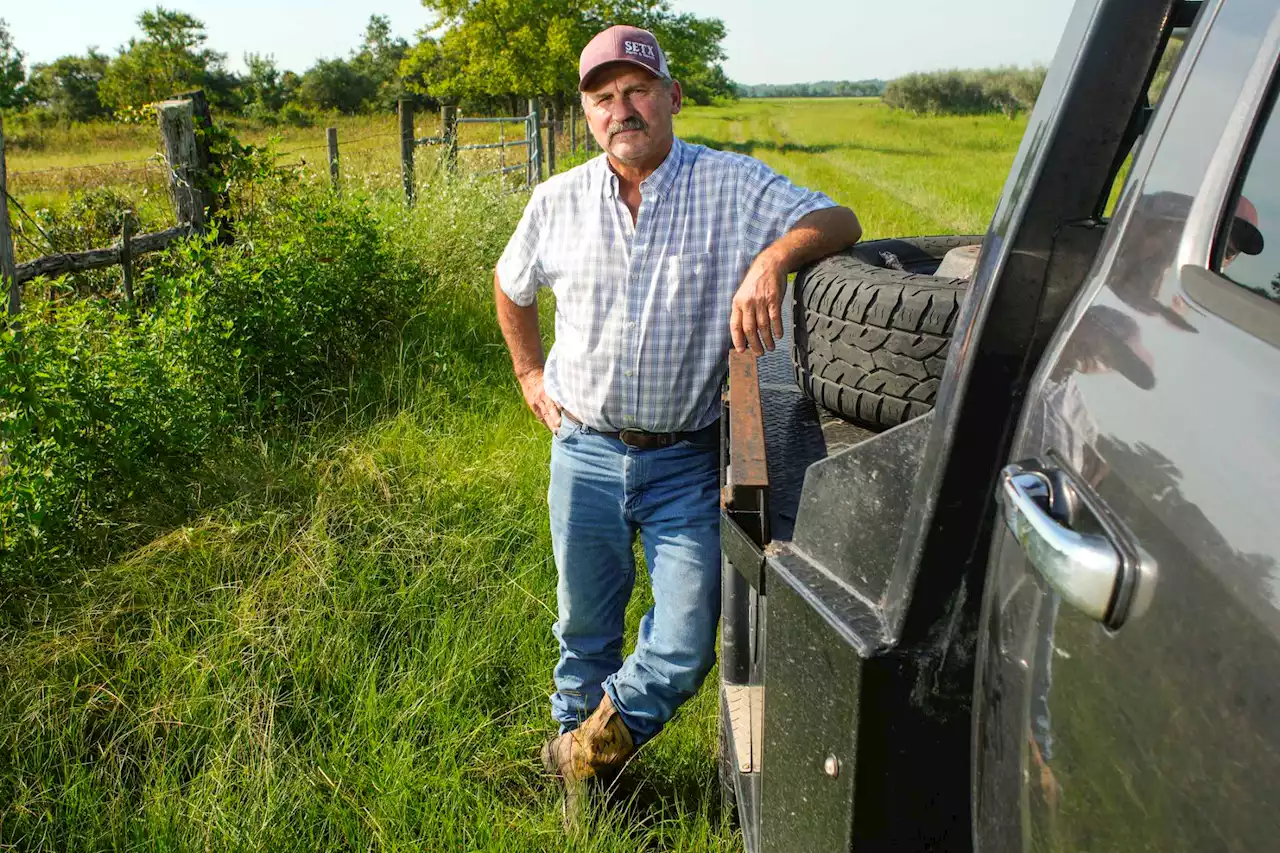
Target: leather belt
[(641, 440)]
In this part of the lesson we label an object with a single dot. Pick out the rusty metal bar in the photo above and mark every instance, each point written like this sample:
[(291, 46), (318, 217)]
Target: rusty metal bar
[(746, 429), (745, 498)]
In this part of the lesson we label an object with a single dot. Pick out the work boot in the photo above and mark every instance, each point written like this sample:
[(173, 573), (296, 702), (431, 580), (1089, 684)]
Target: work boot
[(596, 750)]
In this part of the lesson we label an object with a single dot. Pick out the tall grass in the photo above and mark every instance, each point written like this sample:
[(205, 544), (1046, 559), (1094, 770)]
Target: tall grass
[(346, 644), (360, 662), (351, 649)]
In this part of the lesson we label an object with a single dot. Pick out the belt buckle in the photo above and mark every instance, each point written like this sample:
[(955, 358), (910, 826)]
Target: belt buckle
[(632, 437)]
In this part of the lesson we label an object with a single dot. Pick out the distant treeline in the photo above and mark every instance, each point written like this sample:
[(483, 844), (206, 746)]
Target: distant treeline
[(986, 90), (821, 89)]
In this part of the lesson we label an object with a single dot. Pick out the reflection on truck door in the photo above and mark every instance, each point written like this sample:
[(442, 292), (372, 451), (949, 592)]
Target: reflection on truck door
[(1155, 728)]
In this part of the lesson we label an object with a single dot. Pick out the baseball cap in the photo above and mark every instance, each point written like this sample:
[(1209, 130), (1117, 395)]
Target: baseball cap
[(1244, 234), (623, 44)]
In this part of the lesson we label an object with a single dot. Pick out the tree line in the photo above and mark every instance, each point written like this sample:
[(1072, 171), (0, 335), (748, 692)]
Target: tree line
[(821, 89), (490, 54)]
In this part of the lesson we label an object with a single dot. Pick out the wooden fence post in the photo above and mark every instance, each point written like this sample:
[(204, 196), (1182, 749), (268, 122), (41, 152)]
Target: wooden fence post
[(178, 129), (406, 149), (331, 136), (449, 133), (551, 139), (573, 130), (535, 142), (188, 162), (8, 269), (126, 257)]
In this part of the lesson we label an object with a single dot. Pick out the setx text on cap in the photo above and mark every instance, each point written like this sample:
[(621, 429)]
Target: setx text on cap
[(622, 44)]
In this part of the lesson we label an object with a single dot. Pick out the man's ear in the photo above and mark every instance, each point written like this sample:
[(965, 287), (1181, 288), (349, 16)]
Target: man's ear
[(677, 97)]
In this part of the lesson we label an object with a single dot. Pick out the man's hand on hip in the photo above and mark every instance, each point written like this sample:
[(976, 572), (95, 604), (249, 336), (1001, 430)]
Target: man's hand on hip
[(535, 394), (756, 320)]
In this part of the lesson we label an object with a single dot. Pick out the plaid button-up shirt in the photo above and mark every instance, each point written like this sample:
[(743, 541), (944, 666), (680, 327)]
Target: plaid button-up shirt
[(642, 311)]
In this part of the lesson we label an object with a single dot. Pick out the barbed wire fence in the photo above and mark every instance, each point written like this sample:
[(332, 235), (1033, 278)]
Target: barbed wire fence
[(186, 155)]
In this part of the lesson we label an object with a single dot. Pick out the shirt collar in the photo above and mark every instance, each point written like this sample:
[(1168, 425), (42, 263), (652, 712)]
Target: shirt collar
[(655, 185)]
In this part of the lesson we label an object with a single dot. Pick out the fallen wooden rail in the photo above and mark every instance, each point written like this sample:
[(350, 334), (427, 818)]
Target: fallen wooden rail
[(93, 259)]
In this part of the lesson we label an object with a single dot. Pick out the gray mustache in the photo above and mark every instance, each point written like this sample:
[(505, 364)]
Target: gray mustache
[(632, 123)]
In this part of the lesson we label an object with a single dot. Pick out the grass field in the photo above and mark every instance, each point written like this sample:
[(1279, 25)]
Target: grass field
[(349, 648), (903, 175)]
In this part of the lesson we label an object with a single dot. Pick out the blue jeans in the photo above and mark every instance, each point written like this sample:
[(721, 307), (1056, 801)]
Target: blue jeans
[(602, 495)]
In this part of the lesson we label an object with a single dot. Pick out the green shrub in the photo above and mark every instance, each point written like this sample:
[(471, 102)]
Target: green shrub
[(102, 412), (92, 218), (1003, 90), (262, 114), (295, 116), (97, 411)]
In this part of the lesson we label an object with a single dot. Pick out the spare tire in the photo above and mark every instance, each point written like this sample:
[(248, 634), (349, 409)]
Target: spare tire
[(873, 326)]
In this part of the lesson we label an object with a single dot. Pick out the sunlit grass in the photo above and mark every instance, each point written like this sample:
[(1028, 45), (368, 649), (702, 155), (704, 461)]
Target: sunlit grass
[(353, 649), (903, 175), (350, 648)]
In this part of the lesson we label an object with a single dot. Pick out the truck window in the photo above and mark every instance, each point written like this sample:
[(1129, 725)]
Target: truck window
[(1247, 248)]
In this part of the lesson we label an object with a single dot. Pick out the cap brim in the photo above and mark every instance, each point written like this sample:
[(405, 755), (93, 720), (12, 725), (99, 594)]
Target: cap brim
[(586, 78), (1246, 235)]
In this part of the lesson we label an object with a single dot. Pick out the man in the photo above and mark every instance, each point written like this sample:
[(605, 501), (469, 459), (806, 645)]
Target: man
[(660, 254)]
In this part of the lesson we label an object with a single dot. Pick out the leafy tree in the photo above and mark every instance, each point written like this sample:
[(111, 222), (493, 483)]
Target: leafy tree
[(336, 84), (379, 59), (68, 86), (423, 64), (12, 71), (290, 83), (499, 48), (369, 79), (262, 84), (169, 58), (694, 51)]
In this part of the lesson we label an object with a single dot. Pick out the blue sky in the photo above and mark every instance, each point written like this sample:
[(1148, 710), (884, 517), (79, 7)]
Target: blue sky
[(769, 41)]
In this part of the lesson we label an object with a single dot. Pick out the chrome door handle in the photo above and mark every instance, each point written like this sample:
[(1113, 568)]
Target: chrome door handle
[(1086, 569)]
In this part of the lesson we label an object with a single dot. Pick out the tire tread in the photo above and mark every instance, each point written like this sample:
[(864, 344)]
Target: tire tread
[(871, 343)]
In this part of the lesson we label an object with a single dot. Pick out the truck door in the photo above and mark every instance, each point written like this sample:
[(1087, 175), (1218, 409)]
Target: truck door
[(1128, 686)]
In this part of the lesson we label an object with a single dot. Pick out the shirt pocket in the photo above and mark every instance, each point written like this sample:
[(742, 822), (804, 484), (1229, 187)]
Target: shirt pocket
[(686, 283)]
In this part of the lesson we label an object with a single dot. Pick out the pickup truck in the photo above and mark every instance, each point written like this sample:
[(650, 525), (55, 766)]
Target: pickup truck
[(1001, 545)]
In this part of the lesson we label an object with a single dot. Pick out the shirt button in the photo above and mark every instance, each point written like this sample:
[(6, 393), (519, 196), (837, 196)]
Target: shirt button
[(628, 373), (631, 324)]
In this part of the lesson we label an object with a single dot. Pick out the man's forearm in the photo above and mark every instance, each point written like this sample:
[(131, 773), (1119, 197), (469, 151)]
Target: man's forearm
[(756, 318), (519, 324), (816, 235)]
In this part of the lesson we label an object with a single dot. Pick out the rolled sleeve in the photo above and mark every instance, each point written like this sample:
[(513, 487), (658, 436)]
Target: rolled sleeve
[(772, 205), (519, 273)]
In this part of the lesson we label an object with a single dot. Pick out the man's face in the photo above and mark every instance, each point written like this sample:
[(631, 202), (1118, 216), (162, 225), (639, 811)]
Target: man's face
[(629, 112)]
